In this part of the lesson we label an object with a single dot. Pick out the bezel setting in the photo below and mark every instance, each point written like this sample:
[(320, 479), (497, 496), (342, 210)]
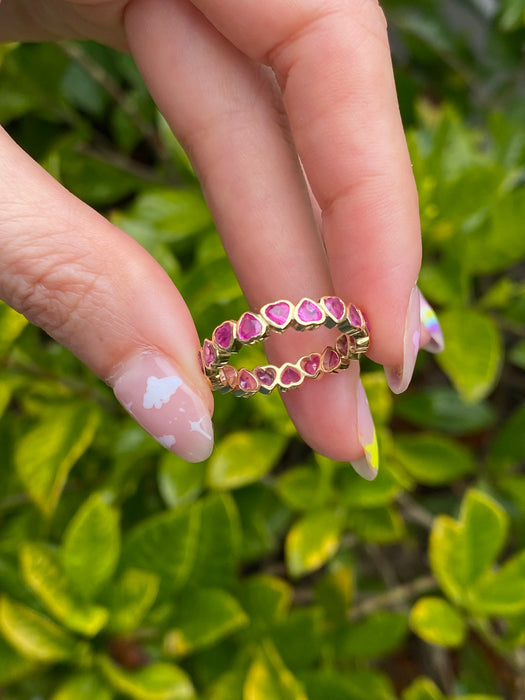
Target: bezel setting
[(253, 327)]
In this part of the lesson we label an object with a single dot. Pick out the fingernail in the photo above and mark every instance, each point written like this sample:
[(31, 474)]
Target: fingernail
[(367, 465), (430, 321), (398, 378), (154, 392)]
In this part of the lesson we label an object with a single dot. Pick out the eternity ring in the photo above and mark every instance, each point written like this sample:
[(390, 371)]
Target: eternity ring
[(278, 316)]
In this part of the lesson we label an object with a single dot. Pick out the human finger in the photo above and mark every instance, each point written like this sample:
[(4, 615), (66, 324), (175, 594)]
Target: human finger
[(332, 61), (227, 112), (96, 291)]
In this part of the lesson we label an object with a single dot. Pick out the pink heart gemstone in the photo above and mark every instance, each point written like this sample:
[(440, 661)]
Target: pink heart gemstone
[(341, 345), (330, 360), (310, 365), (209, 353), (266, 375), (335, 307), (223, 335), (278, 313), (249, 327), (354, 316), (290, 375), (228, 375), (308, 312), (247, 382)]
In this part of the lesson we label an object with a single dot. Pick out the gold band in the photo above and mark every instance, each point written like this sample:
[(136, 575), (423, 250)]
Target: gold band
[(230, 336)]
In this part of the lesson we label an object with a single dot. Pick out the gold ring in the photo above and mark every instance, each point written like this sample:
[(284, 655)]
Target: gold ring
[(230, 336)]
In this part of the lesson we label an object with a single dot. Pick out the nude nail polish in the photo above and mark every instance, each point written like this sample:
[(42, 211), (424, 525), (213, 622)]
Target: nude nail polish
[(430, 321), (366, 466), (398, 378), (153, 390)]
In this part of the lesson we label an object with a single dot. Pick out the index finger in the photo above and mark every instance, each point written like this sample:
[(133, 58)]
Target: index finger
[(333, 64)]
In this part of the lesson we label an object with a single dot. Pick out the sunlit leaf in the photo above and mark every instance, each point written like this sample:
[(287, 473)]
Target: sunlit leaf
[(312, 541), (45, 454), (244, 457), (91, 546), (437, 622)]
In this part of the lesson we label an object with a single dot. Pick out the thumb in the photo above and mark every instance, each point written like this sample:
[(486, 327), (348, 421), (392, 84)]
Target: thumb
[(96, 291)]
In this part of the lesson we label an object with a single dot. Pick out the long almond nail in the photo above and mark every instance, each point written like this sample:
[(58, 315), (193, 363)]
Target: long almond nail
[(154, 392), (367, 465), (430, 321), (398, 378)]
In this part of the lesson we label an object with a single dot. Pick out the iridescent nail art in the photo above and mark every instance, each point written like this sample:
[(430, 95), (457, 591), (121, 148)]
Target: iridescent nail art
[(430, 321)]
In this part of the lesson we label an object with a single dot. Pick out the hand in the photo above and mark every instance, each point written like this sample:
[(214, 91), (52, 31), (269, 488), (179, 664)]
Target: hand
[(289, 113)]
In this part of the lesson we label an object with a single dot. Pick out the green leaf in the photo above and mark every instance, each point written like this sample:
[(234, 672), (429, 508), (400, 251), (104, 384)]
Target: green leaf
[(180, 482), (442, 408), (354, 492), (45, 454), (244, 457), (501, 592), (379, 396), (298, 637), (218, 545), (91, 546), (423, 689), (83, 686), (499, 244), (129, 600), (360, 684), (512, 14), (203, 617), (462, 551), (377, 635), (379, 525), (177, 213), (508, 447), (33, 635), (433, 459), (300, 488), (158, 681), (269, 679), (164, 545), (43, 574), (11, 325), (266, 599), (13, 665), (312, 541), (475, 371), (437, 622)]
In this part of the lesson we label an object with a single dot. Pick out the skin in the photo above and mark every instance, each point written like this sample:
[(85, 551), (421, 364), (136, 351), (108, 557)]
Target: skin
[(289, 113)]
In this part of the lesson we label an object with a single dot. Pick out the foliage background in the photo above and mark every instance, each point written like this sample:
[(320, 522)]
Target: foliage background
[(270, 572)]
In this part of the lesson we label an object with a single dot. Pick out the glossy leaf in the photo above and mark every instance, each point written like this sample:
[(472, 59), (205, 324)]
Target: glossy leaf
[(360, 684), (164, 545), (83, 686), (91, 546), (43, 574), (433, 459), (244, 457), (33, 635), (475, 372), (158, 681), (381, 525), (129, 600), (269, 679), (312, 541), (377, 635), (462, 551), (502, 592), (203, 616), (45, 455), (13, 665), (11, 325), (180, 482), (437, 622)]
